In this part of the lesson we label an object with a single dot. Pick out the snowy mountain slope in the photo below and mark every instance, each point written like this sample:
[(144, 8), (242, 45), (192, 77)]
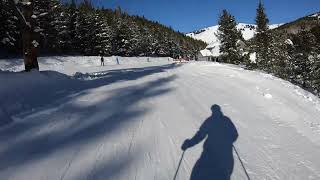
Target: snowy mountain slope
[(130, 124), (209, 36)]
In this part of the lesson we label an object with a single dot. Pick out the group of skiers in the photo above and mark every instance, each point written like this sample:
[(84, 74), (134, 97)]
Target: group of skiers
[(102, 60)]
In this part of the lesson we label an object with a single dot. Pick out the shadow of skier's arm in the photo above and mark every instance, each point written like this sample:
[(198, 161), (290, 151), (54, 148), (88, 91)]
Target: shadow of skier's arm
[(198, 137)]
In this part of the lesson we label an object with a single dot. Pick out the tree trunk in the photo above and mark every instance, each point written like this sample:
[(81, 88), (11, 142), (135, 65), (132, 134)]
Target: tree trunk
[(29, 42)]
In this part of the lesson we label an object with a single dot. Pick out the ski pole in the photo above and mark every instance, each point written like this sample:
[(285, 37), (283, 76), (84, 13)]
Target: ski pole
[(175, 176), (244, 169)]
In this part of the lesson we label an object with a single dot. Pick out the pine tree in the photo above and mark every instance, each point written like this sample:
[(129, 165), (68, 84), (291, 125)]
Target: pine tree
[(305, 48), (49, 24), (83, 29), (315, 72), (262, 38), (72, 14), (229, 37), (102, 35), (62, 41), (84, 32), (279, 57), (9, 29)]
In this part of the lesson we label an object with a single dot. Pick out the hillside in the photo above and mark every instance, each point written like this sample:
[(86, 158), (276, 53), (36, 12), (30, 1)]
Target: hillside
[(82, 29), (307, 22), (209, 35), (128, 121)]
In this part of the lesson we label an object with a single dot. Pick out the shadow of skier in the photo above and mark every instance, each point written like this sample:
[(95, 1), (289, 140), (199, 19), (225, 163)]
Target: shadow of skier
[(216, 161)]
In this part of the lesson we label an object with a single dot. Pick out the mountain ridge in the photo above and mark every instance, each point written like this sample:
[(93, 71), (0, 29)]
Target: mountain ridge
[(209, 34)]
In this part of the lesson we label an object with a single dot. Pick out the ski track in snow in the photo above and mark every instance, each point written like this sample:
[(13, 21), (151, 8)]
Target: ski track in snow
[(134, 128)]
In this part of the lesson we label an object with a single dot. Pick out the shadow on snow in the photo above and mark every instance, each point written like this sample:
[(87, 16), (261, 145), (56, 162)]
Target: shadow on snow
[(76, 125), (216, 160)]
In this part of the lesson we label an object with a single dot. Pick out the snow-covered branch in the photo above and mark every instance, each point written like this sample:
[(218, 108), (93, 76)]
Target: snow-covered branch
[(14, 5)]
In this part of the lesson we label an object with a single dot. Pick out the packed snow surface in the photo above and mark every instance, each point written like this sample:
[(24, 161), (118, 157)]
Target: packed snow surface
[(128, 121)]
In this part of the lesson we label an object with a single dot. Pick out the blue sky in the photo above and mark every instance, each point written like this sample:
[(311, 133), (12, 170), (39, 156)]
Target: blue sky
[(189, 15)]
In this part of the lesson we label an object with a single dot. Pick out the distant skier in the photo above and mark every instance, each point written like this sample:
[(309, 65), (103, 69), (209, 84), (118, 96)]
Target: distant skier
[(102, 60), (117, 60)]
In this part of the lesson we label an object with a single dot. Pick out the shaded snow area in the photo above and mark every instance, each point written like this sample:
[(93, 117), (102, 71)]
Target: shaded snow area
[(129, 121)]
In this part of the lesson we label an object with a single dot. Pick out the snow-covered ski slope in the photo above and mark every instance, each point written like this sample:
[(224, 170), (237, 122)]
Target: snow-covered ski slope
[(128, 121)]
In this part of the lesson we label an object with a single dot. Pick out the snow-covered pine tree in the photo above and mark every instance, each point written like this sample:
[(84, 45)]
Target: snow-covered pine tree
[(316, 60), (162, 47), (84, 28), (134, 38), (9, 29), (122, 33), (315, 74), (62, 41), (262, 40), (145, 39), (229, 37), (68, 28), (305, 48), (102, 35), (46, 12), (71, 14), (279, 57)]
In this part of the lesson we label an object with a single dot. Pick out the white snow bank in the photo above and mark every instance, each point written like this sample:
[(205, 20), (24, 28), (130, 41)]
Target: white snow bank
[(21, 91), (71, 64)]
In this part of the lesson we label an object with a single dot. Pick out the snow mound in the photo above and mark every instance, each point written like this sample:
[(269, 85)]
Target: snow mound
[(26, 91), (267, 96)]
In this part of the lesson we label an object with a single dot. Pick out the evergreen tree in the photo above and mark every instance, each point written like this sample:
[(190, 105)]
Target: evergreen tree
[(83, 29), (62, 41), (263, 38), (72, 14), (229, 37), (305, 44), (9, 29), (102, 35), (279, 57)]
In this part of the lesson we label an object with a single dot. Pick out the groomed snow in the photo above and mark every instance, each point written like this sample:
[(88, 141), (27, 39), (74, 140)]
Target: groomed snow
[(129, 121)]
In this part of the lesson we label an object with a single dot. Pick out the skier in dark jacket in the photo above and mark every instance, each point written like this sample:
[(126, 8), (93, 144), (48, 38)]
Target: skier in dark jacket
[(102, 60), (216, 161)]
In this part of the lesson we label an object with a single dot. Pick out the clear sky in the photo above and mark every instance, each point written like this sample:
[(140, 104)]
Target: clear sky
[(189, 15)]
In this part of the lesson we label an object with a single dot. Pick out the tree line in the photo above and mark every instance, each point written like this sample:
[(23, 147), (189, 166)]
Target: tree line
[(293, 57), (52, 27)]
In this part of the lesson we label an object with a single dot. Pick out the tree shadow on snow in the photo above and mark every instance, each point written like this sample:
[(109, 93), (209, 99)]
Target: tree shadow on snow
[(78, 125), (216, 160), (50, 88)]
